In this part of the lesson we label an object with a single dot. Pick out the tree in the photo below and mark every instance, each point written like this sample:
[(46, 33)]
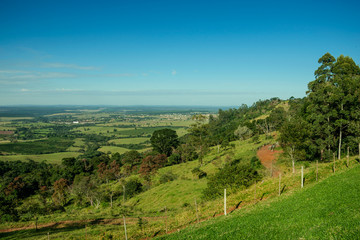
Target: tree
[(277, 117), (232, 176), (164, 140), (346, 82), (187, 152), (293, 138), (152, 163), (199, 135), (85, 189), (108, 172), (243, 132), (133, 187), (131, 161), (30, 209), (60, 192), (331, 101)]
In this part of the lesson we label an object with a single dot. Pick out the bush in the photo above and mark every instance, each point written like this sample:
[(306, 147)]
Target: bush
[(199, 173), (232, 176), (175, 158), (255, 163), (133, 187), (255, 138), (167, 177)]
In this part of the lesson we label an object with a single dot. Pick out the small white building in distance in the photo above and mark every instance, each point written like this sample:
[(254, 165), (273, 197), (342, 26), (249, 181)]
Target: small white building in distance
[(75, 122)]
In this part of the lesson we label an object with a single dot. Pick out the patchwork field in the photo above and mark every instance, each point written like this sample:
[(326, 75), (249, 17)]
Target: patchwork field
[(50, 158)]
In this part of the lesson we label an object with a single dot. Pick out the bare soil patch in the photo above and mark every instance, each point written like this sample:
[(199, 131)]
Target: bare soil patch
[(268, 159)]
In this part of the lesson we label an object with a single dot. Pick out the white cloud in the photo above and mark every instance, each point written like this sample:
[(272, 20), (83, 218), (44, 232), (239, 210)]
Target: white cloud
[(17, 77), (71, 66)]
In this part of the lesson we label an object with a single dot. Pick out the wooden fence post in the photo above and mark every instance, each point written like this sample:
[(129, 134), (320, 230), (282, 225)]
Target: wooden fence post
[(197, 213), (279, 184), (166, 221), (225, 201), (125, 227), (255, 192), (48, 236), (302, 176)]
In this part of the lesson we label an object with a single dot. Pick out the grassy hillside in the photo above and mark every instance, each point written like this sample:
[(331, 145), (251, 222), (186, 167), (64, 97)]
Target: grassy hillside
[(327, 210), (268, 212)]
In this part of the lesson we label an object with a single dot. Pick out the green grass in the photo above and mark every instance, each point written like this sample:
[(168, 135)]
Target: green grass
[(327, 210), (78, 143), (51, 158), (113, 149), (172, 195), (5, 119), (101, 129), (129, 140)]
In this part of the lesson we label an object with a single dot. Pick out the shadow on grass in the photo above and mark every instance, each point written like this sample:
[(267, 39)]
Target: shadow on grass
[(42, 232)]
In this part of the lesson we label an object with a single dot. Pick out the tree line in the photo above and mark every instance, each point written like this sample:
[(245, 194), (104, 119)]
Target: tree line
[(327, 121)]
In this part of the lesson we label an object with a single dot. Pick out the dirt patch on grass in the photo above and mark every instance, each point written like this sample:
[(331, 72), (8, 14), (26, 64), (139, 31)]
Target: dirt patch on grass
[(268, 158)]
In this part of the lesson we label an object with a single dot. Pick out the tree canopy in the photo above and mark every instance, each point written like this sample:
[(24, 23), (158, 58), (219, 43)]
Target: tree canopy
[(164, 140)]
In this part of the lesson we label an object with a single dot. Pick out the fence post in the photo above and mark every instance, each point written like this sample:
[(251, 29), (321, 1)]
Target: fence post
[(124, 193), (279, 184), (48, 236), (197, 213), (302, 176), (255, 192), (166, 221), (125, 227), (225, 201), (317, 169), (347, 156), (334, 156)]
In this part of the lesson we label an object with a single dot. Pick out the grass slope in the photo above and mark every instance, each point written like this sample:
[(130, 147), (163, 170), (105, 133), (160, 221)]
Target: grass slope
[(327, 210)]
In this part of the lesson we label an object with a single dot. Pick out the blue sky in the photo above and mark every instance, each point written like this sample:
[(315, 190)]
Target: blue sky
[(215, 53)]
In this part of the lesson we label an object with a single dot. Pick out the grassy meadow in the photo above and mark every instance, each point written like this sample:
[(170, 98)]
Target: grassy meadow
[(326, 210)]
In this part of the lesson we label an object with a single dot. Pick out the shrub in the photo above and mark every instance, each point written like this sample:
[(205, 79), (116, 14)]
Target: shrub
[(232, 176), (175, 158), (199, 173), (255, 138), (255, 163), (167, 177), (133, 187)]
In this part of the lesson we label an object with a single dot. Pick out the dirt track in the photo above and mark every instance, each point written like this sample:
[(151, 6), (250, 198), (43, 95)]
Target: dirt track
[(268, 158)]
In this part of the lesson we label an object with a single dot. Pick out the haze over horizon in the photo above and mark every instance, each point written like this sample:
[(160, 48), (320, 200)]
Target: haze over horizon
[(208, 53)]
